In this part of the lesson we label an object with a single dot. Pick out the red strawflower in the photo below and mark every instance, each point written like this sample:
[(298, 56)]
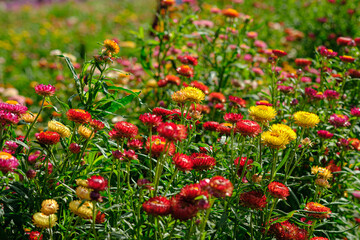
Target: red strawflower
[(150, 120), (168, 130), (173, 79), (303, 62), (263, 102), (117, 154), (157, 206), (45, 90), (97, 125), (333, 167), (126, 130), (190, 192), (48, 138), (253, 199), (220, 187), (278, 190), (220, 106), (186, 59), (319, 238), (225, 129), (181, 209), (216, 97), (325, 134), (162, 112), (347, 59), (317, 210), (232, 117), (98, 183), (238, 102), (248, 128), (182, 132), (211, 126), (185, 70), (130, 155), (200, 86), (144, 183), (8, 118), (344, 41), (158, 146), (35, 235), (279, 53), (78, 116), (354, 73), (183, 162), (135, 144), (287, 231), (202, 161), (74, 148)]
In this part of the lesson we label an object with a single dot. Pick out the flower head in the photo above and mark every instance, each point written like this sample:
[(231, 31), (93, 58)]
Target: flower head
[(325, 134), (126, 130), (284, 130), (238, 102), (211, 126), (98, 183), (42, 220), (202, 161), (158, 146), (48, 137), (347, 59), (278, 190), (275, 140), (317, 210), (157, 206), (186, 71), (262, 113), (216, 97), (150, 120), (355, 112), (7, 162), (253, 199), (321, 172), (279, 53), (45, 90), (306, 119), (339, 120), (60, 128), (78, 116), (35, 235), (232, 117), (111, 46), (97, 125), (82, 209), (181, 209), (248, 128), (220, 187), (183, 162), (49, 206), (230, 12)]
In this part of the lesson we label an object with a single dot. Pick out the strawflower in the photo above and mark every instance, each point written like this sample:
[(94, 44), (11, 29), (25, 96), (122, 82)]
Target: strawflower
[(48, 137), (306, 119), (60, 128), (339, 120), (157, 206), (7, 162), (262, 113), (253, 199), (317, 210), (278, 190), (78, 116), (42, 220)]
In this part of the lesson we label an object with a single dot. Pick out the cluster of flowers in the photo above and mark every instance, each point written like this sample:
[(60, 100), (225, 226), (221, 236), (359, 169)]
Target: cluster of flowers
[(46, 218), (10, 112), (192, 198)]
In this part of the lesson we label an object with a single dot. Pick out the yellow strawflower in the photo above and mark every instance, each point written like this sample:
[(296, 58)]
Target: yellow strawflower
[(306, 119), (262, 113), (83, 211), (321, 172), (60, 128), (284, 129), (275, 140), (42, 220)]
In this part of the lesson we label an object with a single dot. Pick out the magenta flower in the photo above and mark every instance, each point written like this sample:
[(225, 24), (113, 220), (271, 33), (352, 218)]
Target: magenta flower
[(45, 90), (7, 162), (331, 94), (355, 112), (339, 120), (13, 108), (325, 134), (8, 118)]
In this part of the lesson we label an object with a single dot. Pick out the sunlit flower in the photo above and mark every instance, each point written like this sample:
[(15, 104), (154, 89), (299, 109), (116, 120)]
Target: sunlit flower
[(111, 46), (331, 94), (285, 130), (347, 59), (157, 206), (97, 125), (150, 120), (42, 220), (13, 107), (321, 172), (35, 235), (355, 143), (355, 112), (275, 140), (216, 97), (262, 113), (48, 137), (8, 118), (187, 59), (248, 128), (238, 102), (78, 116), (229, 12), (85, 132), (303, 62), (220, 187), (49, 206), (200, 86), (45, 90), (211, 126), (158, 146), (306, 119), (279, 53), (60, 128), (185, 70), (225, 128), (287, 231), (232, 117), (317, 210), (82, 209), (28, 117), (83, 192), (135, 144)]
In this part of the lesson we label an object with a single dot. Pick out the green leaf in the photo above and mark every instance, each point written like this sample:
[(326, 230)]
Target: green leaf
[(115, 105), (72, 70)]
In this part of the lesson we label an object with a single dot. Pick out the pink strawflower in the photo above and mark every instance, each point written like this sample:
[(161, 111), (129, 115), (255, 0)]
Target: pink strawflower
[(355, 112), (13, 108), (8, 118), (331, 94), (7, 162), (325, 134), (339, 120), (45, 90)]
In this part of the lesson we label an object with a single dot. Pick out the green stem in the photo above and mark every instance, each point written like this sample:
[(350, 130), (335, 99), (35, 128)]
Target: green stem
[(94, 219), (269, 216), (204, 220)]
